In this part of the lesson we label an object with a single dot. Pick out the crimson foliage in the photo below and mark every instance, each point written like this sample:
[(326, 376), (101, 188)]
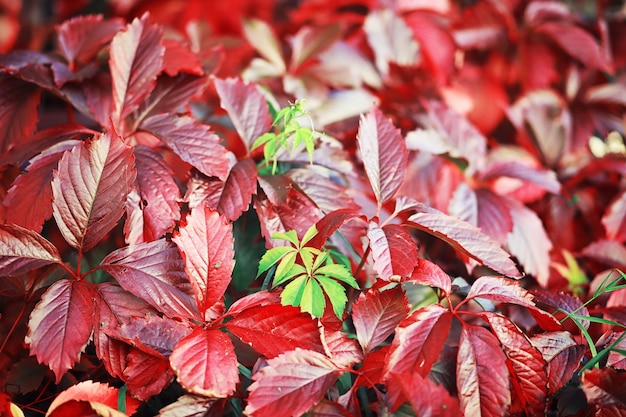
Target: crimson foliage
[(470, 177)]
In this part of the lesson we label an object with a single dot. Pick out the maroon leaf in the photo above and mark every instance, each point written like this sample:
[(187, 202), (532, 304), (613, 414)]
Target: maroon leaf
[(428, 273), (22, 250), (155, 273), (82, 37), (29, 200), (151, 333), (205, 363), (418, 341), (275, 329), (482, 374), (246, 106), (193, 141), (604, 387), (136, 58), (293, 381), (146, 375), (157, 210), (617, 360), (18, 111), (376, 314), (466, 238), (207, 245), (393, 250), (426, 397), (90, 188), (170, 94), (384, 154), (61, 324), (562, 354), (501, 290)]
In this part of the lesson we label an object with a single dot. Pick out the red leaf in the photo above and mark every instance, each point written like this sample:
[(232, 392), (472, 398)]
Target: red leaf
[(155, 273), (157, 210), (146, 375), (527, 364), (206, 364), (376, 314), (192, 141), (293, 381), (329, 224), (325, 192), (482, 374), (170, 94), (341, 349), (151, 333), (384, 154), (94, 392), (494, 217), (614, 219), (501, 290), (207, 245), (604, 387), (563, 355), (29, 200), (61, 324), (393, 250), (617, 360), (179, 57), (193, 406), (257, 299), (275, 329), (542, 177), (136, 58), (90, 188), (246, 106), (418, 341), (18, 111), (22, 250), (426, 397), (82, 37), (466, 238), (428, 273)]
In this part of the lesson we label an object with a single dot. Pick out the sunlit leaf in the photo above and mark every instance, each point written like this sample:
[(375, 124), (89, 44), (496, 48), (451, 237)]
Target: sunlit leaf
[(22, 250)]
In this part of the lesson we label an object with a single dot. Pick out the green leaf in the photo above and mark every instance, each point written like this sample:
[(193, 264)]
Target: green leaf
[(296, 270), (292, 293), (290, 236), (313, 301), (336, 294), (264, 138), (310, 234), (271, 257), (339, 272), (286, 264)]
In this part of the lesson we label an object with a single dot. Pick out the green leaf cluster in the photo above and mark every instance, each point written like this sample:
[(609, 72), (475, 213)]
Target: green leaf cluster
[(286, 126), (311, 274)]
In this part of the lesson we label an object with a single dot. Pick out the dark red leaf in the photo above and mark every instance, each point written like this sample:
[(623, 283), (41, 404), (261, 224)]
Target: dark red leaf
[(326, 408), (136, 58), (482, 374), (275, 329), (61, 324), (246, 106), (329, 224), (418, 341), (22, 250), (393, 250), (617, 360), (192, 141), (293, 381), (384, 154), (604, 387), (327, 195), (501, 290), (207, 245), (94, 392), (614, 219), (562, 354), (170, 94), (146, 375), (29, 200), (376, 314), (18, 111), (151, 333), (82, 37), (428, 273), (426, 397), (206, 364), (90, 189)]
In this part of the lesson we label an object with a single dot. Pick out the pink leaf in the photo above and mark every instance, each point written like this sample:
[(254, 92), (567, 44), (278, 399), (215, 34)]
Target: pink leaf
[(81, 37), (90, 188), (155, 273), (426, 397), (61, 324), (482, 374), (542, 177), (206, 364), (22, 250), (428, 273), (29, 200), (418, 341), (613, 219), (136, 58), (246, 107), (384, 154), (466, 238), (18, 115), (94, 392), (393, 249), (494, 217), (157, 210), (501, 290), (275, 329), (376, 314), (293, 381), (207, 245), (193, 141)]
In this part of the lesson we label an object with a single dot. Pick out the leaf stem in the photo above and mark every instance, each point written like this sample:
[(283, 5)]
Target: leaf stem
[(19, 317)]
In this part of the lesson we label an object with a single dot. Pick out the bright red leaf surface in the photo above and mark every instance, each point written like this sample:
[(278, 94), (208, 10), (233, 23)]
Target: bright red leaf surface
[(428, 273), (82, 37), (393, 249), (426, 397), (604, 387), (22, 250), (501, 290), (146, 374), (94, 392)]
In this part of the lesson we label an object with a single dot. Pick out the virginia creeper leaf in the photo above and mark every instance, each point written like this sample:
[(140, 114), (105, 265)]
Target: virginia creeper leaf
[(207, 245), (376, 314), (501, 290), (81, 37), (94, 392), (205, 363), (146, 374), (384, 154), (482, 374), (325, 193), (193, 141), (22, 250), (90, 188), (613, 219), (428, 273), (170, 94), (154, 272), (393, 250), (426, 397), (136, 58), (152, 333), (293, 381), (341, 349), (604, 387), (61, 324), (18, 111), (191, 406)]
